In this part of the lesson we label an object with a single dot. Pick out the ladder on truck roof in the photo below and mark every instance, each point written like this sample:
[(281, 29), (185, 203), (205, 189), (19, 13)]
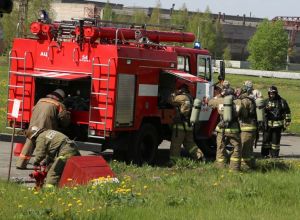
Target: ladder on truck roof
[(16, 86), (98, 79)]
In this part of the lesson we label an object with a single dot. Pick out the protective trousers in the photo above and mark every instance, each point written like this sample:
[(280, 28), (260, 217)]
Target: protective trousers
[(247, 142), (234, 140), (25, 155), (56, 169), (185, 138), (271, 142)]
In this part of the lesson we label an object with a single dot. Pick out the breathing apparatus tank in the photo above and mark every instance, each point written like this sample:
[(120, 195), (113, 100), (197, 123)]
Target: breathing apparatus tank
[(195, 111), (260, 110), (228, 105)]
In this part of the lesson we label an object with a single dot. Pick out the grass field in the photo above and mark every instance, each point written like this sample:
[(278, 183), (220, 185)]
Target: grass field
[(188, 191)]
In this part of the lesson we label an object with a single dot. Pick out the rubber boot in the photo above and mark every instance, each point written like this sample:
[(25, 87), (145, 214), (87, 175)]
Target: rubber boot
[(274, 153), (265, 152)]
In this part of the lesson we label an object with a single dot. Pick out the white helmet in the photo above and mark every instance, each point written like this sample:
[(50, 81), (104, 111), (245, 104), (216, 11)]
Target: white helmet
[(33, 132), (60, 92)]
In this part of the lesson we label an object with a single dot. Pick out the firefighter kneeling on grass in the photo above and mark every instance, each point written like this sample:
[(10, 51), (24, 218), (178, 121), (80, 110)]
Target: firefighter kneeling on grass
[(53, 149), (182, 132), (228, 132)]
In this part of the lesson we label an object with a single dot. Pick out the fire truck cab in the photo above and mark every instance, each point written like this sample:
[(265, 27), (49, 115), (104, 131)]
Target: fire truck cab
[(117, 82)]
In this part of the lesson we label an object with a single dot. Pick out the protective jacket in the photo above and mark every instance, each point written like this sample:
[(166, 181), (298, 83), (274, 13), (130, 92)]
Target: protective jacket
[(183, 103), (277, 112), (247, 113), (233, 126), (49, 114), (51, 144)]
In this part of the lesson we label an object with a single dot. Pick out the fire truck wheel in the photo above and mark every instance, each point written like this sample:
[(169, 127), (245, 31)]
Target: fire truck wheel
[(208, 147), (145, 145)]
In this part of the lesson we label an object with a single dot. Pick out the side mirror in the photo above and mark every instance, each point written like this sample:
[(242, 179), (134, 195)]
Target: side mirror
[(222, 70)]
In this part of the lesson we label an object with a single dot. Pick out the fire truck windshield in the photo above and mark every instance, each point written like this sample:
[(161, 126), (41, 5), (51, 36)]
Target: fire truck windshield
[(204, 67)]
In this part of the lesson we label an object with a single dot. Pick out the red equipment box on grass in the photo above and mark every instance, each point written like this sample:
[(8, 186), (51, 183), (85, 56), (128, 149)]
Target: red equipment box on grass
[(80, 170)]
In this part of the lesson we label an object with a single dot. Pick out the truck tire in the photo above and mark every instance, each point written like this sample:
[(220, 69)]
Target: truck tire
[(145, 145), (208, 147)]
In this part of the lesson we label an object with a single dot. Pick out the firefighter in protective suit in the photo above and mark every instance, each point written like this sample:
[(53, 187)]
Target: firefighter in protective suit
[(48, 113), (53, 149), (248, 126), (278, 118), (228, 131), (182, 132)]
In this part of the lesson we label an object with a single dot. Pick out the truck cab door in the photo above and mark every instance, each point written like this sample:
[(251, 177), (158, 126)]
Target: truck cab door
[(204, 90)]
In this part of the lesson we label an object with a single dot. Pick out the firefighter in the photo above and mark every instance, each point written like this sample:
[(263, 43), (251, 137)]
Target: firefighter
[(48, 113), (252, 93), (228, 132), (226, 89), (182, 132), (53, 149), (278, 118), (248, 126)]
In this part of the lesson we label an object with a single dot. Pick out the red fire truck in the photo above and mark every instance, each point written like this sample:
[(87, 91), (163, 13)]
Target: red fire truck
[(117, 82)]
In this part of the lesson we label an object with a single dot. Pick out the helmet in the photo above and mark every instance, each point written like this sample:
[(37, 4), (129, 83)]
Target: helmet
[(273, 89), (226, 84), (33, 132), (59, 93), (183, 88), (248, 84)]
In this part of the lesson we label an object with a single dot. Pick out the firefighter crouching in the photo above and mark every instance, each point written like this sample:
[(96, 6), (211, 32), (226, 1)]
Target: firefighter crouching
[(182, 132), (53, 149), (228, 131), (278, 118), (48, 113), (248, 125)]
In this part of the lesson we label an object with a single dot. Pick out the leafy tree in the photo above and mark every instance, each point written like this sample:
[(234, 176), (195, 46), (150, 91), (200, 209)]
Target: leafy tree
[(227, 56), (139, 17), (180, 17), (9, 22), (155, 16), (207, 32), (107, 12), (269, 46)]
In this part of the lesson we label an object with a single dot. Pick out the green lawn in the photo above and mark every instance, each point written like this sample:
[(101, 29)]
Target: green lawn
[(3, 92), (189, 191)]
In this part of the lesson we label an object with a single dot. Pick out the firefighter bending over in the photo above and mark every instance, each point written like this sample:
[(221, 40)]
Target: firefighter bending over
[(53, 149), (228, 131), (48, 113), (278, 118), (182, 132)]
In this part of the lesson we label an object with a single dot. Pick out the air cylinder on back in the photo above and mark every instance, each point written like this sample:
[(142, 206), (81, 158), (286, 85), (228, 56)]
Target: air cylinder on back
[(195, 111), (260, 109), (227, 113)]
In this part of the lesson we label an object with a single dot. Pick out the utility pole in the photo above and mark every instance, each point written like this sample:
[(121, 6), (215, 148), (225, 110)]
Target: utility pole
[(22, 20)]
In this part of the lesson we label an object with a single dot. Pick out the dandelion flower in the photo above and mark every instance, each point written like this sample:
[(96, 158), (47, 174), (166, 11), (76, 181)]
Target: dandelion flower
[(215, 184), (35, 193), (70, 205), (20, 206), (145, 187)]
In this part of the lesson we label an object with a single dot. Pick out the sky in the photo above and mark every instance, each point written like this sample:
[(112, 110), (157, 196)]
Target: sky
[(256, 8)]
